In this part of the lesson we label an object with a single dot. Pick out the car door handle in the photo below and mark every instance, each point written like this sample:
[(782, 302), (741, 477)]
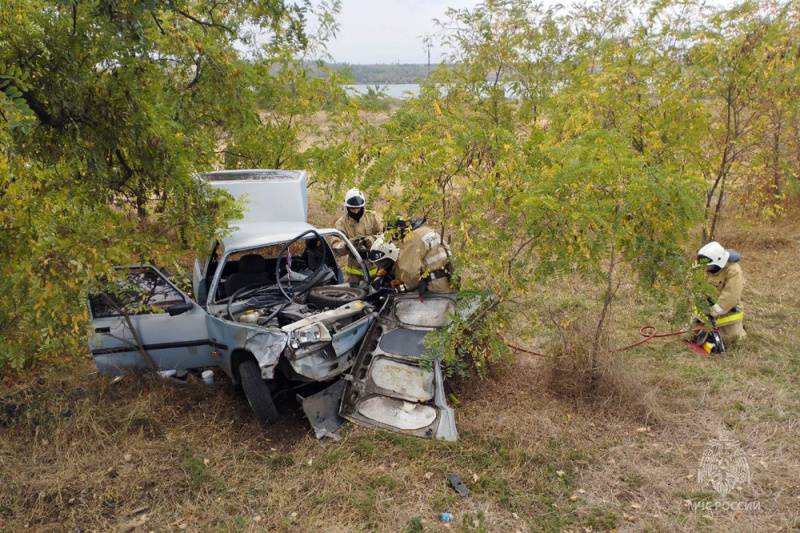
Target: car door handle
[(102, 330)]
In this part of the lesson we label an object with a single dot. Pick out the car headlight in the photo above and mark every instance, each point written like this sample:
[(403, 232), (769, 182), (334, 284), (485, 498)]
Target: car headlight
[(310, 335)]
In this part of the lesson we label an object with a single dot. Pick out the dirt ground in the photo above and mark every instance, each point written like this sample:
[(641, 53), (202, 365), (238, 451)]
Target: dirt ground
[(80, 454)]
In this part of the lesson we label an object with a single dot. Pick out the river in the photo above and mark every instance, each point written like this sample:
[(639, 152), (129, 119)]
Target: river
[(399, 90)]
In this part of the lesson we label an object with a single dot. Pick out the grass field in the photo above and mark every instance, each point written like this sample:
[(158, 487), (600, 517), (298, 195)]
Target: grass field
[(80, 454)]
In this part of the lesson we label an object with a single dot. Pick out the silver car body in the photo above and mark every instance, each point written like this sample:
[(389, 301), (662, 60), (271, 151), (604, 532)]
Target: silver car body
[(388, 387), (276, 207)]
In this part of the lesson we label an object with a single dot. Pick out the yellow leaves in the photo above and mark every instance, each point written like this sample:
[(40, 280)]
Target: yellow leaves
[(436, 108)]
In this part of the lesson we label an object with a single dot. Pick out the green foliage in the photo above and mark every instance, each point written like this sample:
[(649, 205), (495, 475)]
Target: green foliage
[(585, 143), (579, 143), (470, 342), (374, 99), (560, 180), (13, 107), (110, 110)]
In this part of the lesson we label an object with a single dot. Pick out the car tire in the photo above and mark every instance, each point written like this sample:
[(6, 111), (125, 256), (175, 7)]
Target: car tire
[(332, 297), (257, 392)]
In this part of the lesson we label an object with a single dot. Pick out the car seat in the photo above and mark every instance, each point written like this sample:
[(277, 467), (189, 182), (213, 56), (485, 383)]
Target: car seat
[(252, 271)]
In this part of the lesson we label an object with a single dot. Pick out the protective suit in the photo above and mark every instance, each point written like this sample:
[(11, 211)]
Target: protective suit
[(424, 260), (727, 312), (362, 232)]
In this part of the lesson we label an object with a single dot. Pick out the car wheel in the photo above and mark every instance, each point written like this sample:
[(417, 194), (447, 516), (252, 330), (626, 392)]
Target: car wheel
[(334, 296), (257, 392)]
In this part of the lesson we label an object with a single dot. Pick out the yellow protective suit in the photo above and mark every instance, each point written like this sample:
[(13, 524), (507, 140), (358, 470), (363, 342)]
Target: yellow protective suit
[(727, 312), (422, 255), (369, 228)]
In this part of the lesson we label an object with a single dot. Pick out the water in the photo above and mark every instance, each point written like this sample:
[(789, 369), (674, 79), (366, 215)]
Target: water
[(398, 90), (401, 90)]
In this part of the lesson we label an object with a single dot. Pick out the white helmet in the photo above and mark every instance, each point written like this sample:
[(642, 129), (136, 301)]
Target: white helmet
[(716, 255), (355, 198), (383, 249)]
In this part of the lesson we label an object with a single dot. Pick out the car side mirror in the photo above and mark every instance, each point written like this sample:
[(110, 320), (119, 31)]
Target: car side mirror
[(179, 309)]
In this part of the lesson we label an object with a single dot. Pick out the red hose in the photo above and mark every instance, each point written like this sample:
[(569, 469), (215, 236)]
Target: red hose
[(517, 348), (648, 331), (651, 336)]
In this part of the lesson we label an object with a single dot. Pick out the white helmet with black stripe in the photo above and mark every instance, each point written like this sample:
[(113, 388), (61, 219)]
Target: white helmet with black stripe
[(383, 249), (354, 199), (714, 256)]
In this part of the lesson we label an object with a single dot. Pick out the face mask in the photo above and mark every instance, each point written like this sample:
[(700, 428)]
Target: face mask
[(356, 216)]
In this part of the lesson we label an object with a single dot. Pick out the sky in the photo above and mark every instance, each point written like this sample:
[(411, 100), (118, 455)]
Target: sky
[(388, 31), (392, 31)]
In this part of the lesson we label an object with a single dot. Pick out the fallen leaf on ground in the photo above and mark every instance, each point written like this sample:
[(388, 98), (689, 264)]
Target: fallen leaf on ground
[(133, 524)]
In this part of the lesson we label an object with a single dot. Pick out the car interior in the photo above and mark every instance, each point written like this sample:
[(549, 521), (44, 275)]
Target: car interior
[(257, 266)]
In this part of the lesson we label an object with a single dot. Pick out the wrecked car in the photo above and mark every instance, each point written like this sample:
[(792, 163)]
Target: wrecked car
[(268, 299)]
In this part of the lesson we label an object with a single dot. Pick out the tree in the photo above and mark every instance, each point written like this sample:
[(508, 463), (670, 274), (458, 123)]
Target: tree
[(109, 109), (563, 178)]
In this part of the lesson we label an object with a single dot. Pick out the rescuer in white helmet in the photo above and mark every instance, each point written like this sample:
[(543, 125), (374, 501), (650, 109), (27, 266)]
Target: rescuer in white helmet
[(362, 227), (413, 258), (724, 273)]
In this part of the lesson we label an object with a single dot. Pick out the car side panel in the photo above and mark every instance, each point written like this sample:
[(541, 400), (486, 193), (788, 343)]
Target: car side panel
[(265, 344)]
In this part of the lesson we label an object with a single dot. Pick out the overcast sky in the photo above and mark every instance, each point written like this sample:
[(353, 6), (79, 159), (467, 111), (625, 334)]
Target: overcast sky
[(388, 31), (391, 31)]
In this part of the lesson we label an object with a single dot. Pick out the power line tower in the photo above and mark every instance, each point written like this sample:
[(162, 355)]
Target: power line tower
[(428, 46)]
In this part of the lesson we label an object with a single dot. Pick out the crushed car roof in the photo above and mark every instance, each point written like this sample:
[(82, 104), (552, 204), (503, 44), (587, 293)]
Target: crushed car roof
[(245, 236)]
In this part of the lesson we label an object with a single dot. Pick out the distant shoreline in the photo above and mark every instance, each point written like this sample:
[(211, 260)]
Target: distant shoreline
[(383, 74)]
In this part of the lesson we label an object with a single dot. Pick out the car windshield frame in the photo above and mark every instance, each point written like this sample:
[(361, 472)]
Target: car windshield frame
[(328, 232)]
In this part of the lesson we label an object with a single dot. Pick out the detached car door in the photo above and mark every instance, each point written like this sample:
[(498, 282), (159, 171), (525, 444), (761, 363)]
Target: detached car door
[(388, 387), (170, 327)]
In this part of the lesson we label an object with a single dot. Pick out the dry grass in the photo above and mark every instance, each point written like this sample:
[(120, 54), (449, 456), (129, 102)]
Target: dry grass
[(596, 376), (79, 453)]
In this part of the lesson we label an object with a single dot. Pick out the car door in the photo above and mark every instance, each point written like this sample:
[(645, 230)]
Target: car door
[(388, 387), (170, 327)]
